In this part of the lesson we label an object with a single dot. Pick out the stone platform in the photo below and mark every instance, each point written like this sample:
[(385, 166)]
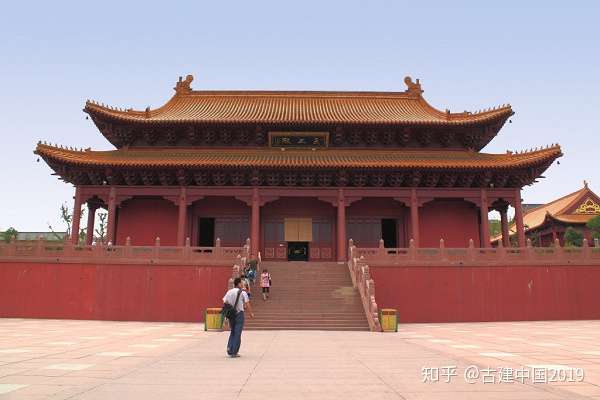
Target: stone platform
[(66, 359)]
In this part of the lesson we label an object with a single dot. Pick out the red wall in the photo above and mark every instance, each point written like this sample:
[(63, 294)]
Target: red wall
[(110, 292), (143, 220), (462, 294), (454, 221)]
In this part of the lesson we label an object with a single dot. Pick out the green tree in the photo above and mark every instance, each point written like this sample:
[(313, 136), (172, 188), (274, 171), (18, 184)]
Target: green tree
[(573, 237), (101, 230), (495, 227), (8, 234), (594, 226), (66, 216)]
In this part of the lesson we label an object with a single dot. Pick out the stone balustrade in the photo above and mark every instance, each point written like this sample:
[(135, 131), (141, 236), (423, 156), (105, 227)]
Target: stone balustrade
[(471, 255), (63, 252), (361, 279)]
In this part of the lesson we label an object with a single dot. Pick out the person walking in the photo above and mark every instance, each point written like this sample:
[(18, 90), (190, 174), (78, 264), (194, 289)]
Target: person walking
[(238, 299), (265, 283)]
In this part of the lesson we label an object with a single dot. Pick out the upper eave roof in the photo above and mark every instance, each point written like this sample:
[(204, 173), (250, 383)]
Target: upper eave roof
[(275, 158), (297, 107)]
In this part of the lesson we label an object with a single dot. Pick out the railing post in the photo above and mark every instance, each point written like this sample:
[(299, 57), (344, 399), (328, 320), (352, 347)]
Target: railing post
[(443, 256), (558, 250), (248, 249), (596, 242), (187, 251), (39, 246), (501, 250), (381, 249), (67, 249), (350, 252), (218, 249), (155, 250), (128, 247), (471, 250), (12, 246), (412, 251), (97, 251), (529, 251), (586, 249)]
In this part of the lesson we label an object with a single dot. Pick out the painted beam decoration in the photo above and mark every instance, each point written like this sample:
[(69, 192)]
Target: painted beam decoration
[(298, 139)]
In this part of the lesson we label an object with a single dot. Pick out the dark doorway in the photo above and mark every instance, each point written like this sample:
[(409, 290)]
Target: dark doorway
[(206, 232), (297, 251), (389, 233)]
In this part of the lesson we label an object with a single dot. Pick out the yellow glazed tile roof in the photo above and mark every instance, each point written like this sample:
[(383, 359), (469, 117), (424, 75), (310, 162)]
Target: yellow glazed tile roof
[(289, 107), (275, 158)]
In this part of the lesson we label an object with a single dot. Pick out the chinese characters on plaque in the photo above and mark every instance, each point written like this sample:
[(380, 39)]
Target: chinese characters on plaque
[(298, 139)]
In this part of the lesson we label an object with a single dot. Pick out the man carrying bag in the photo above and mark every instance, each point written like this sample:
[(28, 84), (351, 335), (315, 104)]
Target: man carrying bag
[(233, 309)]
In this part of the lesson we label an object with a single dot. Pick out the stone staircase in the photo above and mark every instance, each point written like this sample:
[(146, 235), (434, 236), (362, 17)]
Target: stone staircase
[(308, 296)]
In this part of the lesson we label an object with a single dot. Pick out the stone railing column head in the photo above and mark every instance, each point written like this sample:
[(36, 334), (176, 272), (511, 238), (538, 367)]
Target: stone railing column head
[(128, 241), (556, 243), (500, 245), (585, 243), (442, 244), (471, 244), (381, 243), (157, 241), (350, 242), (248, 242), (218, 242), (187, 241), (528, 243), (411, 244), (596, 242)]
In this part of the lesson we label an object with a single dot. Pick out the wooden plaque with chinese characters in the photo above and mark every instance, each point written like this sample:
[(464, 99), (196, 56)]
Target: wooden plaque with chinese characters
[(298, 139)]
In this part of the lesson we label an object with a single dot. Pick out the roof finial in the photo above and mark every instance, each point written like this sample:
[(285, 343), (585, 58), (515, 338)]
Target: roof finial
[(184, 86), (412, 87), (585, 184), (147, 112)]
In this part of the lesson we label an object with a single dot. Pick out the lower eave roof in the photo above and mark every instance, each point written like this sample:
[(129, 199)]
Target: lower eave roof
[(296, 159)]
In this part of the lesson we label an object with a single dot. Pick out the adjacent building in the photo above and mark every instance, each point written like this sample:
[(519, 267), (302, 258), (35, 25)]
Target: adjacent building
[(546, 223)]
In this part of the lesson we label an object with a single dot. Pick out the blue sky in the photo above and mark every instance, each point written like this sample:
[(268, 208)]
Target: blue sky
[(541, 57)]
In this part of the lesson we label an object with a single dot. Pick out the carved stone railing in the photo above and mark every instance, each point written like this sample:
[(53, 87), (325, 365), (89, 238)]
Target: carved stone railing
[(361, 279), (55, 252), (440, 256)]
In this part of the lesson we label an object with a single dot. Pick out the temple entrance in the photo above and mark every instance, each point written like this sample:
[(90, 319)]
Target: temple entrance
[(291, 220), (206, 232), (389, 233), (298, 233), (297, 251)]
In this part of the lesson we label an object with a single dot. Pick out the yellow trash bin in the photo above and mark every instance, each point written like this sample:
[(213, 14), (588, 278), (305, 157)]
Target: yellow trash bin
[(388, 317), (213, 319)]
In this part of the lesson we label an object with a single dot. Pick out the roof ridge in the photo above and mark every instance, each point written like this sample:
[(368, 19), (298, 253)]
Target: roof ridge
[(540, 207)]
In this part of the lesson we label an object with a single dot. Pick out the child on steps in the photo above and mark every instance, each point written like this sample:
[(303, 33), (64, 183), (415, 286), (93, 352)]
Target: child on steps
[(265, 283)]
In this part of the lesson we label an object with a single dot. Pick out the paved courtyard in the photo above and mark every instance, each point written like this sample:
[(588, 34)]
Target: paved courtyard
[(52, 359)]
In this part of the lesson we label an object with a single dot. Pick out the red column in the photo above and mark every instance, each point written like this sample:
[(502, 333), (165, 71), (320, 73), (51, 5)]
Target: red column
[(255, 225), (182, 217), (504, 226), (414, 217), (519, 218), (484, 224), (112, 210), (341, 226), (76, 217), (91, 221)]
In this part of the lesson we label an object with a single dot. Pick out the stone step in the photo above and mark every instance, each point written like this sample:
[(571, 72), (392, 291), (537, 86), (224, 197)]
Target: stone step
[(307, 296)]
